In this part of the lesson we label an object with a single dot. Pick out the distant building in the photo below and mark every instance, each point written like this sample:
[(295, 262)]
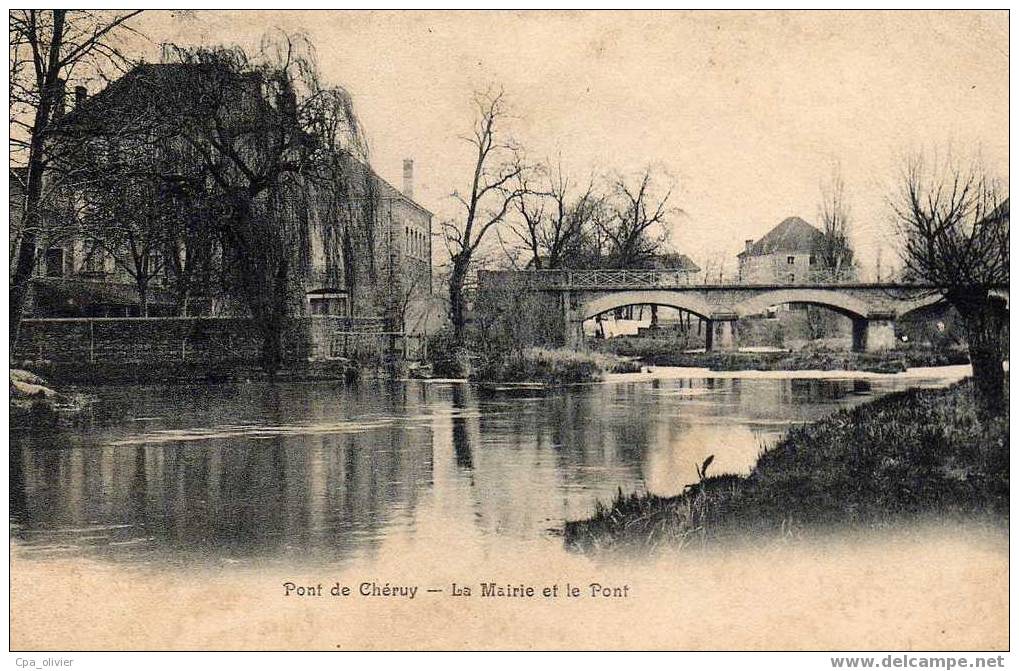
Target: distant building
[(671, 261), (665, 261), (787, 254)]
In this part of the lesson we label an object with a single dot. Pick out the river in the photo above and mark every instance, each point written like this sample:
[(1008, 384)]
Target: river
[(327, 474)]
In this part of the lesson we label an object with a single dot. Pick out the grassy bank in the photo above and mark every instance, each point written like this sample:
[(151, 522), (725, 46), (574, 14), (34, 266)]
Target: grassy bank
[(669, 352), (908, 454)]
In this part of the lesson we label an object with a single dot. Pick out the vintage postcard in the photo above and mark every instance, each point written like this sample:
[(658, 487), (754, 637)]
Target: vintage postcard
[(510, 330)]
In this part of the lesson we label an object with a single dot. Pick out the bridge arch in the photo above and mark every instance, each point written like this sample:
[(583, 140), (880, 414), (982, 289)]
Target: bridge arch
[(919, 303), (839, 301), (924, 301), (674, 299)]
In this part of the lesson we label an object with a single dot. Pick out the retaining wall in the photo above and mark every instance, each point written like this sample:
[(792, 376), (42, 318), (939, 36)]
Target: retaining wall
[(193, 339)]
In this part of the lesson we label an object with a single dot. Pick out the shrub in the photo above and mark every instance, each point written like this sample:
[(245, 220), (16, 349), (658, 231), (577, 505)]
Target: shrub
[(448, 359), (549, 366)]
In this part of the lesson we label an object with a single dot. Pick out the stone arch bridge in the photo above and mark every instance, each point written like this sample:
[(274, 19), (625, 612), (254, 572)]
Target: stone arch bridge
[(578, 295)]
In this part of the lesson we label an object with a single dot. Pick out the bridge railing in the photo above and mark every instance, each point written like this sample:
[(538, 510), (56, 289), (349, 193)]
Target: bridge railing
[(622, 278), (562, 279)]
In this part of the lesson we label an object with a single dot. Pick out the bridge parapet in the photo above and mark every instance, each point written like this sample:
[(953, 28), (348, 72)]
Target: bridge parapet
[(595, 278), (604, 279)]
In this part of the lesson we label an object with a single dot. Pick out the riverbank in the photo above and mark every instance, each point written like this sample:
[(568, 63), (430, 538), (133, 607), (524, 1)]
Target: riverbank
[(910, 454), (671, 352), (35, 403), (195, 372), (561, 366)]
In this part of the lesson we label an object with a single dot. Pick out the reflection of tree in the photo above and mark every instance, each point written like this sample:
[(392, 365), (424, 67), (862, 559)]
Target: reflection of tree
[(239, 496), (461, 436), (138, 489)]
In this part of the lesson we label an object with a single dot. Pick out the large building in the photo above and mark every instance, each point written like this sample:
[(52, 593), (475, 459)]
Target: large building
[(408, 255), (787, 254), (344, 266)]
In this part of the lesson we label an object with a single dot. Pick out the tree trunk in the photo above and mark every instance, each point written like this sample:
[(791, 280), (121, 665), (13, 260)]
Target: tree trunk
[(31, 223), (182, 304), (272, 347), (457, 301), (985, 328), (32, 215), (143, 298)]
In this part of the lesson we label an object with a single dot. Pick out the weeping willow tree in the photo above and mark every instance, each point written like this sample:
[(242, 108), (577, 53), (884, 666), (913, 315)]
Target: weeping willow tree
[(286, 159), (345, 201)]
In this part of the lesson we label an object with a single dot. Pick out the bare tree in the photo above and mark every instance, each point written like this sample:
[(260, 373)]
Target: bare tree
[(412, 287), (954, 225), (835, 251), (554, 217), (48, 48), (637, 213), (126, 218), (494, 188), (715, 267)]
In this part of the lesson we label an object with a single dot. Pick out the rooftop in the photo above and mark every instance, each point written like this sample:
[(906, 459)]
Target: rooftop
[(792, 235), (134, 91), (671, 261)]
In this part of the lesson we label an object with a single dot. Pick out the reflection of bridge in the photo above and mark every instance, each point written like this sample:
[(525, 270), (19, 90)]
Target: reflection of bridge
[(584, 294)]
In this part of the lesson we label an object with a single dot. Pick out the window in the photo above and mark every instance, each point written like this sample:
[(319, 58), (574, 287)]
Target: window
[(792, 278), (328, 305), (54, 262), (813, 260), (790, 260)]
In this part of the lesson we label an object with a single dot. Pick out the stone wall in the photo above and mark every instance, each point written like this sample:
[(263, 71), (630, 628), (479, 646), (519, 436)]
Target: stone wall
[(202, 339)]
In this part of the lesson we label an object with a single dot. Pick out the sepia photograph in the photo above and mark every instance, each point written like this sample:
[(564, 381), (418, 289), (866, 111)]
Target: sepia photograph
[(515, 330)]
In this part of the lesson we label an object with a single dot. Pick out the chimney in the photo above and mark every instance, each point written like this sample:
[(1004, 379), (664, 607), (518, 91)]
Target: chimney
[(80, 94), (747, 244), (59, 98), (408, 178)]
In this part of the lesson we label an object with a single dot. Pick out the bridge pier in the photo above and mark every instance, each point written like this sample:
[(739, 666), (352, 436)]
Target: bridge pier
[(873, 334), (721, 335), (574, 335), (573, 328)]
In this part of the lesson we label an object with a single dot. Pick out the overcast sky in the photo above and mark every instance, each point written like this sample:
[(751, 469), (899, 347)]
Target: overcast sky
[(747, 111)]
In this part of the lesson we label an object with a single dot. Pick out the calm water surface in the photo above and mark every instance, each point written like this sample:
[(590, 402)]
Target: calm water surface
[(257, 474)]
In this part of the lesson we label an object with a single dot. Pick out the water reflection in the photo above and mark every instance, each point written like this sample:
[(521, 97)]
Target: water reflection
[(244, 473)]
